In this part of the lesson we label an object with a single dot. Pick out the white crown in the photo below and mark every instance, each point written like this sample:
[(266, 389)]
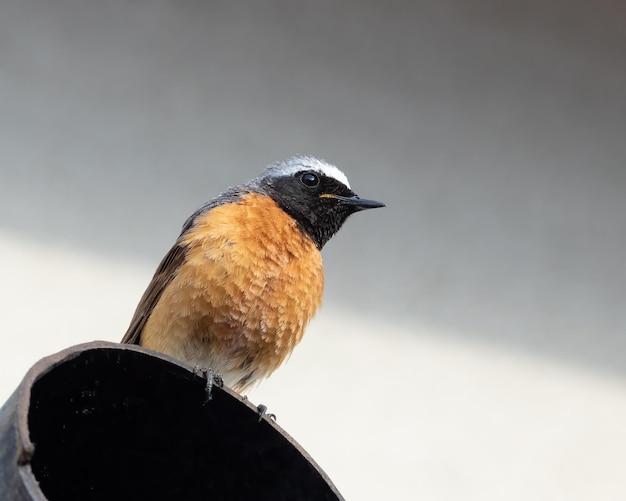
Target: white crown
[(297, 164)]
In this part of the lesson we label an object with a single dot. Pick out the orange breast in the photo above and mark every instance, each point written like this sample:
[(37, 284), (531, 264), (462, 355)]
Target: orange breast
[(249, 286)]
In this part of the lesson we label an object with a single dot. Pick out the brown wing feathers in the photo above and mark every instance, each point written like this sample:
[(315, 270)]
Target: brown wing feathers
[(164, 274)]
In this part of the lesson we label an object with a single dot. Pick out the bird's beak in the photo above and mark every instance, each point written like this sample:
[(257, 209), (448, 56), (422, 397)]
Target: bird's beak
[(356, 202)]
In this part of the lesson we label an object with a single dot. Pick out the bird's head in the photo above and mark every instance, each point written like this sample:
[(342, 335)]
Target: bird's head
[(315, 193)]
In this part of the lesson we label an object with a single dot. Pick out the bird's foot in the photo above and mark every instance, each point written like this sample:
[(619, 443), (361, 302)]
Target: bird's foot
[(262, 411), (212, 379)]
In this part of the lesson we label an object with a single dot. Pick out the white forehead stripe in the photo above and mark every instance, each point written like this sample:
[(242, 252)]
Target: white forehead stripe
[(296, 164)]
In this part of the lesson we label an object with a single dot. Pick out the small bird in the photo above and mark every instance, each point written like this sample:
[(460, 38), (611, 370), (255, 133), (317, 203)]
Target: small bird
[(238, 288)]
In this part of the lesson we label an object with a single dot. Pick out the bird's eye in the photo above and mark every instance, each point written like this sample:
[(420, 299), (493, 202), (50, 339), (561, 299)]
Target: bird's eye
[(310, 179)]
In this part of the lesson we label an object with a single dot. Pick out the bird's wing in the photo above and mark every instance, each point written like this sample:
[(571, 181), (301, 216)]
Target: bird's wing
[(164, 274), (169, 266)]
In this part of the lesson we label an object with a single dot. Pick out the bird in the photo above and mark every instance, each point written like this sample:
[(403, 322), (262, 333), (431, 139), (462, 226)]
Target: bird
[(238, 288)]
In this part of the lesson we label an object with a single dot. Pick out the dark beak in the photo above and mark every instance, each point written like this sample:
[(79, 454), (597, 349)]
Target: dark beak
[(358, 203)]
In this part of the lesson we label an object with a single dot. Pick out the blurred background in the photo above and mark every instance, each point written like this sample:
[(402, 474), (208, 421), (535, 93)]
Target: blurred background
[(472, 344)]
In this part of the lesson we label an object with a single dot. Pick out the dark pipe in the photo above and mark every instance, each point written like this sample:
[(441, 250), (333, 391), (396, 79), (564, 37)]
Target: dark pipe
[(108, 421)]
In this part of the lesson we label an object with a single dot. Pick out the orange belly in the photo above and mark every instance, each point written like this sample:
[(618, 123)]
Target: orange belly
[(249, 286)]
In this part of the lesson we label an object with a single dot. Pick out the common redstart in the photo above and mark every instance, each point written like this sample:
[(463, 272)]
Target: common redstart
[(238, 288)]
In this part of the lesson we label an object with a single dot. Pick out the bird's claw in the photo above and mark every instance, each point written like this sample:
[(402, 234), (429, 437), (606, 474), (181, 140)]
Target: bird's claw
[(212, 379), (262, 411)]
